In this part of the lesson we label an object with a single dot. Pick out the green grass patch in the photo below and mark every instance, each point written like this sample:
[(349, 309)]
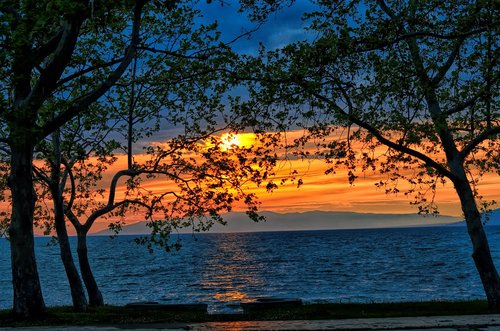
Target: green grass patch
[(117, 315)]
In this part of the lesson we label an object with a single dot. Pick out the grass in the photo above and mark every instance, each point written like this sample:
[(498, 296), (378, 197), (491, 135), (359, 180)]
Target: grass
[(115, 315)]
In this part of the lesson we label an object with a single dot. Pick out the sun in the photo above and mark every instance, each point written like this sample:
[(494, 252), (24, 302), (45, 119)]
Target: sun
[(229, 141)]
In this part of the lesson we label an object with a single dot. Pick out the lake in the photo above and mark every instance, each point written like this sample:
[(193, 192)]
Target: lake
[(379, 265)]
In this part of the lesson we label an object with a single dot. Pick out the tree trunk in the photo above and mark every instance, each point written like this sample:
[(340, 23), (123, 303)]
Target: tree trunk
[(480, 247), (75, 283), (56, 189), (28, 299), (95, 296)]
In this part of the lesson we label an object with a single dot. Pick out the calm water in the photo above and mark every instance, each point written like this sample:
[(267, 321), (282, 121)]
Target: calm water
[(224, 269)]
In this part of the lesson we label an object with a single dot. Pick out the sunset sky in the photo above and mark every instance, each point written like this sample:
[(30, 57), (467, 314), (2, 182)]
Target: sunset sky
[(319, 192), (333, 192)]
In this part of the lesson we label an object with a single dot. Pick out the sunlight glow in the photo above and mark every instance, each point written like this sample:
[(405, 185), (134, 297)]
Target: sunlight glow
[(229, 141), (232, 140)]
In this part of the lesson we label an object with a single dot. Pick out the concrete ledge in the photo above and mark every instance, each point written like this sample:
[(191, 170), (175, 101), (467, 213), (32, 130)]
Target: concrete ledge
[(153, 305), (270, 303)]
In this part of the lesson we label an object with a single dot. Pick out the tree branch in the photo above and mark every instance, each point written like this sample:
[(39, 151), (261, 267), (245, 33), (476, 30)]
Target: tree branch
[(40, 174), (376, 133), (173, 54), (50, 46), (467, 103), (72, 182), (477, 140), (449, 62), (380, 44), (109, 208), (386, 9), (55, 68), (111, 205), (87, 70), (82, 103), (74, 220)]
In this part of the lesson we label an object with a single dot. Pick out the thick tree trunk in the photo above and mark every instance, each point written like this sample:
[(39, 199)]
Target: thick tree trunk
[(28, 299), (480, 247), (75, 283), (95, 295)]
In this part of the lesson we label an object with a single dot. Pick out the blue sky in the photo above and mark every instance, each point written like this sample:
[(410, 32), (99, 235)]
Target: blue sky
[(281, 28)]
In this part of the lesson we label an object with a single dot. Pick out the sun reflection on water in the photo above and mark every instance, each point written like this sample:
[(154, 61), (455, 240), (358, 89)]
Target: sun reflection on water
[(231, 274), (230, 296)]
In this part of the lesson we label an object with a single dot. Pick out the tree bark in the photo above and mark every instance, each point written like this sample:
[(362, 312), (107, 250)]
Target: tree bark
[(480, 248), (95, 295), (56, 189), (28, 299), (75, 283)]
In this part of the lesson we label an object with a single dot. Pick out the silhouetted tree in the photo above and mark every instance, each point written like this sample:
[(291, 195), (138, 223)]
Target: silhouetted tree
[(58, 59), (419, 78)]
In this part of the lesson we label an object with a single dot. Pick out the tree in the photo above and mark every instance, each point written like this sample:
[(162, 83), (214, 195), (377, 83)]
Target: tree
[(58, 59), (205, 180), (419, 78), (45, 46), (139, 99)]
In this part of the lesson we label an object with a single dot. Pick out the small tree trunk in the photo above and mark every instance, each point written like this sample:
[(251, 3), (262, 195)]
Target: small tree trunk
[(480, 247), (28, 299), (95, 295), (75, 283)]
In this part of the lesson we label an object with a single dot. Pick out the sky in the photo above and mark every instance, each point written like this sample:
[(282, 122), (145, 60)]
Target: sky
[(319, 192), (280, 28)]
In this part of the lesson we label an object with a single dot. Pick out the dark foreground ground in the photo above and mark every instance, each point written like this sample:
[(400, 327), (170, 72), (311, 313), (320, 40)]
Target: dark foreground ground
[(463, 316), (436, 323)]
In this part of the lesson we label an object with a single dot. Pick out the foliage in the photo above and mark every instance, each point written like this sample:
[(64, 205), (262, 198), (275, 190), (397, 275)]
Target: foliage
[(174, 82), (407, 89), (60, 60)]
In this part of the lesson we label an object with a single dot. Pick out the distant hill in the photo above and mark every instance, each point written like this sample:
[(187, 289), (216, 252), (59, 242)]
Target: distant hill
[(494, 219), (311, 220)]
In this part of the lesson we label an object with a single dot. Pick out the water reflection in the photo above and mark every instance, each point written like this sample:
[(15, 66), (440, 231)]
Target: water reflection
[(230, 296), (232, 270), (318, 266)]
